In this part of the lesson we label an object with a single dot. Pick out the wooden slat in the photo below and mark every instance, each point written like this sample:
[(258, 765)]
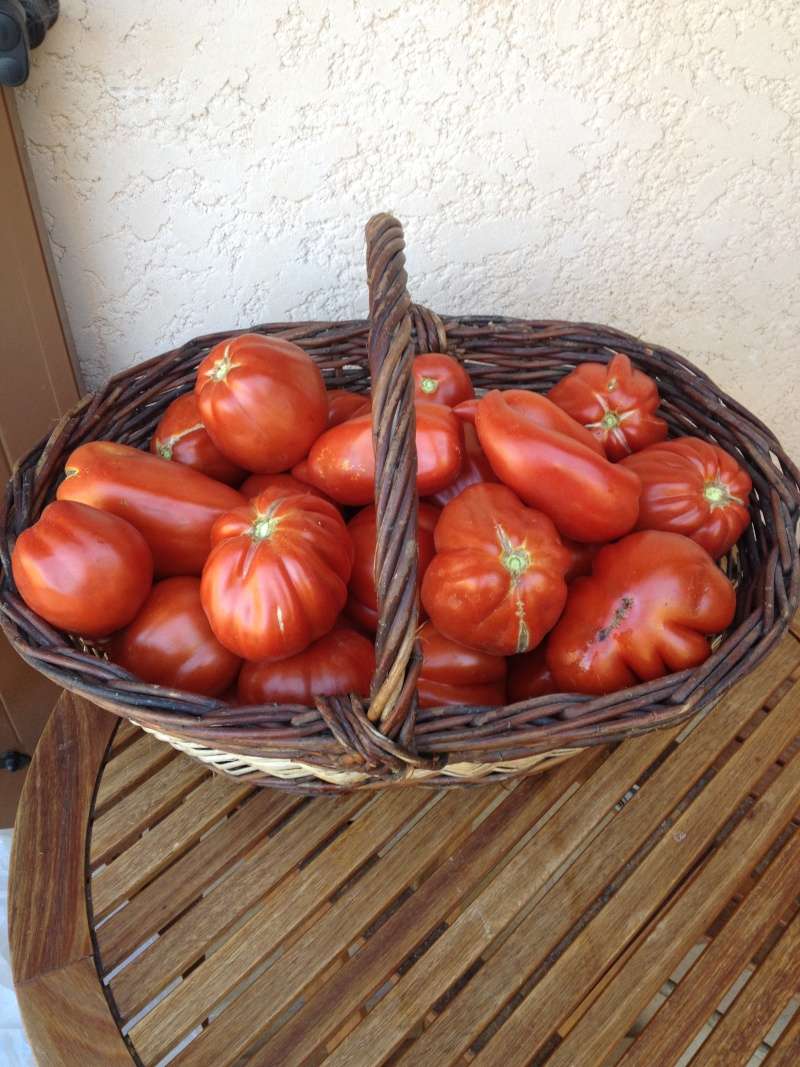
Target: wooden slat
[(188, 939), (303, 894), (698, 994), (484, 852), (429, 841), (50, 842), (452, 1033), (538, 1015), (740, 1031), (187, 878), (786, 1051), (595, 948), (125, 733), (124, 822), (172, 837), (132, 766)]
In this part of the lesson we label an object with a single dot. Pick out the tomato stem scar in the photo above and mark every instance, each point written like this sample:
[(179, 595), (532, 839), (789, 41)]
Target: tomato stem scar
[(428, 385)]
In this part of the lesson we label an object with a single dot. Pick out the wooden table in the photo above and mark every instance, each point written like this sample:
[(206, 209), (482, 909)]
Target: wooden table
[(636, 905)]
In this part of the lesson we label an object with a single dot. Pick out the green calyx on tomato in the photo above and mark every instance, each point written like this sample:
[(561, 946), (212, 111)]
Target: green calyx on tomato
[(428, 385), (70, 472), (610, 420), (515, 558), (264, 526), (222, 367), (718, 495)]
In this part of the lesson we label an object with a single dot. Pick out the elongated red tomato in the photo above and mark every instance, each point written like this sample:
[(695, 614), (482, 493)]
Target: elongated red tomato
[(81, 569), (362, 603), (441, 379), (342, 661), (529, 675), (276, 579), (172, 507), (170, 642), (343, 405), (254, 485), (646, 611), (616, 402), (182, 437), (550, 464), (693, 487), (496, 582), (262, 400), (475, 468), (454, 674), (342, 461)]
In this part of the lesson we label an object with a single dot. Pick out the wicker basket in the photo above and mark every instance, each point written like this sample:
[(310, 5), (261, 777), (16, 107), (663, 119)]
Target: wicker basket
[(345, 743)]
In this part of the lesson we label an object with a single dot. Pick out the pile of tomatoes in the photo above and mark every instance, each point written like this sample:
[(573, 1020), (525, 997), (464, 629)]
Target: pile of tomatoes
[(564, 544)]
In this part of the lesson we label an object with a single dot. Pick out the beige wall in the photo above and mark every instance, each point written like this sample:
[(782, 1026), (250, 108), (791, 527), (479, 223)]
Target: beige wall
[(633, 162)]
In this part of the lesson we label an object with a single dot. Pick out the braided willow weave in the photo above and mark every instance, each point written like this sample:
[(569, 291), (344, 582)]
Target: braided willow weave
[(344, 743)]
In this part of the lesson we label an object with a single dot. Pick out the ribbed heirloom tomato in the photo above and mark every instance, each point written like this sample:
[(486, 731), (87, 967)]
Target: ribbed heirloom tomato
[(82, 569), (693, 487), (454, 674), (342, 461), (172, 507), (616, 402), (647, 610), (181, 436), (262, 400), (276, 579), (342, 661), (496, 582), (556, 465), (170, 642), (441, 379), (362, 603)]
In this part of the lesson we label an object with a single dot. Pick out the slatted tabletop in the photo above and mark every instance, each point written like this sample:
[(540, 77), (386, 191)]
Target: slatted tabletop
[(637, 905)]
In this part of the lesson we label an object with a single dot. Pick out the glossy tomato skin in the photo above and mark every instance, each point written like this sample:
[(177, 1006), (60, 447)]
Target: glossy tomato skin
[(647, 610), (529, 675), (362, 602), (170, 642), (254, 485), (441, 379), (342, 661), (81, 569), (695, 488), (453, 674), (262, 400), (475, 468), (547, 459), (182, 437), (342, 461), (343, 405), (277, 576), (496, 583), (616, 402), (173, 507)]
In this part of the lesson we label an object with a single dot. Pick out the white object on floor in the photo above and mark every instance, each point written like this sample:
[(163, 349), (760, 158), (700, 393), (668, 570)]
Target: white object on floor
[(14, 1048)]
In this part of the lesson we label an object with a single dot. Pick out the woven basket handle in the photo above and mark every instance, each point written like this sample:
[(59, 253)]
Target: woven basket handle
[(397, 661)]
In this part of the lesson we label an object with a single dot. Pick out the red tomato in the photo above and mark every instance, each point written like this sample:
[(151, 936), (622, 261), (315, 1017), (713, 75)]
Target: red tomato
[(362, 604), (581, 558), (467, 410), (441, 378), (475, 468), (277, 575), (616, 402), (82, 569), (548, 460), (497, 580), (181, 435), (287, 483), (342, 461), (646, 611), (173, 507), (170, 642), (342, 405), (453, 674), (342, 661), (262, 400), (529, 676), (693, 487)]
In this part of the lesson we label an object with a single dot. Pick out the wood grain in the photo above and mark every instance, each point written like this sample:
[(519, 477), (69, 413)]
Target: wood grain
[(133, 765)]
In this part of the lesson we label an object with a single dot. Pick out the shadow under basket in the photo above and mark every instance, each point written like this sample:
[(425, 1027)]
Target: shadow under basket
[(345, 743)]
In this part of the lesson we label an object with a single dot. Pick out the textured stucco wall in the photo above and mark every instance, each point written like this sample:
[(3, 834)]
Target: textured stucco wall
[(208, 165)]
